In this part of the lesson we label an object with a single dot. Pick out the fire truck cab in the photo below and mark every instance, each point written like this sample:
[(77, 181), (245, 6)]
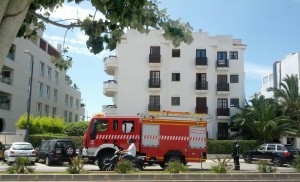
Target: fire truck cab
[(159, 136)]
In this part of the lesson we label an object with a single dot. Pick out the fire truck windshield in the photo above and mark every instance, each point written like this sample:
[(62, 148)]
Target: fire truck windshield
[(98, 127)]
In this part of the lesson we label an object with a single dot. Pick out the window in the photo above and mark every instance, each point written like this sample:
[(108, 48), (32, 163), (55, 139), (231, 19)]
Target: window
[(42, 69), (234, 78), (54, 111), (12, 52), (56, 77), (233, 55), (77, 104), (55, 95), (66, 99), (175, 52), (221, 55), (115, 125), (175, 101), (47, 110), (41, 88), (66, 115), (154, 103), (70, 116), (271, 147), (128, 126), (200, 53), (49, 70), (68, 80), (154, 81), (155, 50), (175, 76), (39, 109), (47, 91), (71, 101), (222, 103), (100, 126), (234, 103)]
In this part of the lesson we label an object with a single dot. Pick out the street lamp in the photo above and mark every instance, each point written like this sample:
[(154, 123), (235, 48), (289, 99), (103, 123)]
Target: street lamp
[(29, 99)]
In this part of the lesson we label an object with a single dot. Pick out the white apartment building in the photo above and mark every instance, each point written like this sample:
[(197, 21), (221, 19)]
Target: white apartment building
[(150, 74), (53, 93), (288, 66)]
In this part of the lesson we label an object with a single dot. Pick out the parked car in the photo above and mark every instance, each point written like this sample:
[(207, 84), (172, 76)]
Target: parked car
[(56, 150), (279, 154), (2, 148), (19, 149)]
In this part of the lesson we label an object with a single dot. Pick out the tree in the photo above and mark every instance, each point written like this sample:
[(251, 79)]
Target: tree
[(289, 97), (262, 120), (23, 18)]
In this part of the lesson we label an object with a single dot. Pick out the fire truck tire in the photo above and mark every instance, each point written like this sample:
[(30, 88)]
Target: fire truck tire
[(175, 158), (102, 159)]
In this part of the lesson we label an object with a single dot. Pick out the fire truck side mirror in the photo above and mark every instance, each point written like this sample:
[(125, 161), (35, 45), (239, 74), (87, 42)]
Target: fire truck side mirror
[(203, 155)]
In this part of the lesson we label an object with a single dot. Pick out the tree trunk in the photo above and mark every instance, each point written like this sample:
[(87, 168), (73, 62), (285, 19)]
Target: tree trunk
[(12, 14)]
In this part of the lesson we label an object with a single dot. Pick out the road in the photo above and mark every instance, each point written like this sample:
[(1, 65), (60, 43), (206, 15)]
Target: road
[(244, 167)]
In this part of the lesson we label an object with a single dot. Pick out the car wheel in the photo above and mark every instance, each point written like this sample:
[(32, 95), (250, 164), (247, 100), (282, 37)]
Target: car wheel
[(69, 150), (248, 158), (277, 161), (47, 161), (32, 163)]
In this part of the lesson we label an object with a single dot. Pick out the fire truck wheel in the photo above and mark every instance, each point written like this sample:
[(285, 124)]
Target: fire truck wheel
[(174, 158), (101, 160)]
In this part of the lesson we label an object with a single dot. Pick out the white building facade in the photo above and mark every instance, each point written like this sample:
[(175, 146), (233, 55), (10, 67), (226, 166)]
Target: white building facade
[(150, 74), (53, 93)]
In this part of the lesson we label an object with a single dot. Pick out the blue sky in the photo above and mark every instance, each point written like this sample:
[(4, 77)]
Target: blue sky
[(270, 28)]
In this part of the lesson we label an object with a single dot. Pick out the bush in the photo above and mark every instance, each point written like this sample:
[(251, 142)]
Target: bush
[(76, 128), (124, 166), (175, 167), (21, 166), (76, 166), (225, 146), (36, 139), (264, 166), (222, 166), (296, 164)]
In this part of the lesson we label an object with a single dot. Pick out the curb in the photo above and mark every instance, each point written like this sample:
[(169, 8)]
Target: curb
[(153, 177)]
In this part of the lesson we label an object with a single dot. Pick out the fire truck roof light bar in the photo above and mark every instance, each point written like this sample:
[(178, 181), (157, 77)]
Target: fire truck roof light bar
[(178, 114)]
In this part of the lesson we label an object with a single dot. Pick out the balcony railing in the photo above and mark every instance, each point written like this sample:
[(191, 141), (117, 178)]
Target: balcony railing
[(154, 58), (201, 61), (153, 107), (223, 112), (222, 86), (201, 85), (203, 109), (154, 83), (223, 63)]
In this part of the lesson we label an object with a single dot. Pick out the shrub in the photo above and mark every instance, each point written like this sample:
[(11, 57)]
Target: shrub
[(264, 166), (296, 164), (124, 166), (76, 128), (76, 166), (222, 166), (225, 146), (21, 166), (175, 167)]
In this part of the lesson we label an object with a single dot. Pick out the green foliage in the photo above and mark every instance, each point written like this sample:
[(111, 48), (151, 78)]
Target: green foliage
[(76, 128), (296, 164), (225, 146), (36, 139), (175, 167), (264, 166), (76, 166), (222, 165), (21, 166), (123, 166)]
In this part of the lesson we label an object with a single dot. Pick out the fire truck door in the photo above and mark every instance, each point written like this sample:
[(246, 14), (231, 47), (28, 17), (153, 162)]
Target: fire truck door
[(150, 135), (197, 141)]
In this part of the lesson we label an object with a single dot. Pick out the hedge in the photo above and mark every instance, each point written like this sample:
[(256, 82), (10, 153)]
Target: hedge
[(225, 146)]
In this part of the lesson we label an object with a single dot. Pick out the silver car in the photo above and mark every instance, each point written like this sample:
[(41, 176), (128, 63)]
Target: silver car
[(19, 149)]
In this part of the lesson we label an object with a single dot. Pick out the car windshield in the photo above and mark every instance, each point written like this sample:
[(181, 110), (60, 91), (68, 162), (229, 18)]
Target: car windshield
[(22, 147)]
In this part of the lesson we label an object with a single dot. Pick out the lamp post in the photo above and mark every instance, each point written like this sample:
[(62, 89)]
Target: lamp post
[(29, 98)]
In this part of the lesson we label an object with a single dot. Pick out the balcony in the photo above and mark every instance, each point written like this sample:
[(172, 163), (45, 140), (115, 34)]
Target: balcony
[(222, 88), (201, 62), (110, 87), (201, 87), (222, 64), (154, 58), (201, 110), (109, 110), (153, 107), (223, 113), (111, 63), (154, 85)]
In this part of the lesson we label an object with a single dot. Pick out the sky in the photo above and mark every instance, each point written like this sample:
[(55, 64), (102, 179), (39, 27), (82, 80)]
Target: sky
[(270, 28)]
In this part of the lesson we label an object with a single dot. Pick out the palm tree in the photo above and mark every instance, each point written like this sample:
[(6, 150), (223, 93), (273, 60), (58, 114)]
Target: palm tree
[(289, 97), (261, 120)]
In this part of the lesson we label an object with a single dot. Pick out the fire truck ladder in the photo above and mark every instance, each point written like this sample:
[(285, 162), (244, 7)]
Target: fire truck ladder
[(199, 116)]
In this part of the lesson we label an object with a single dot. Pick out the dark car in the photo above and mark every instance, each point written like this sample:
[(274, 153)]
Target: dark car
[(56, 150), (278, 154)]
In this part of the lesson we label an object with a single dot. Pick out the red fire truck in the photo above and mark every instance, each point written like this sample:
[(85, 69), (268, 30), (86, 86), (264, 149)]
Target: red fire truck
[(159, 136)]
